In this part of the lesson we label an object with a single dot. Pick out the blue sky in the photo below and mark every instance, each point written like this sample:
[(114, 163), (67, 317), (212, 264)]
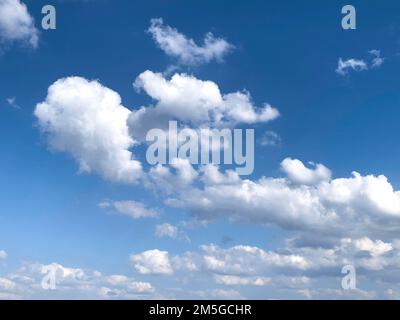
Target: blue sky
[(297, 221)]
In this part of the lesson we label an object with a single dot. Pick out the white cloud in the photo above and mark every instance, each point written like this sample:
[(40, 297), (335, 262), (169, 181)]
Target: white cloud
[(294, 268), (185, 172), (3, 254), (74, 283), (279, 282), (167, 230), (13, 102), (160, 178), (152, 262), (6, 284), (357, 206), (297, 172), (177, 45), (219, 294), (297, 271), (354, 64), (338, 294), (16, 24), (241, 264), (194, 102), (270, 139), (124, 283), (85, 119), (374, 61), (229, 280), (377, 60), (376, 248), (212, 176), (130, 208), (247, 260), (170, 231)]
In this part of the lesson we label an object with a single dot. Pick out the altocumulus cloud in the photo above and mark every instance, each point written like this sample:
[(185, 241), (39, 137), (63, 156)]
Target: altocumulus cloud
[(300, 270), (293, 268), (25, 283)]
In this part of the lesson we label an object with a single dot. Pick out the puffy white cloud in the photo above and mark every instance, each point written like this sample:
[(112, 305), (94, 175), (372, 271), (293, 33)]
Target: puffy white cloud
[(297, 172), (297, 271), (177, 45), (85, 119), (183, 96), (16, 24), (296, 268), (376, 248), (130, 208), (162, 178), (152, 262), (193, 102), (266, 201), (212, 176), (241, 264), (124, 284), (372, 194), (127, 290), (75, 283), (356, 206), (354, 64), (242, 260), (185, 172), (377, 258)]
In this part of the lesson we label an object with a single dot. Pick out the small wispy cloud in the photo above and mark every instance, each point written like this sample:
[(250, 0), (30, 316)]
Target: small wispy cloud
[(374, 61), (351, 64), (130, 208), (377, 61), (270, 139), (13, 102)]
